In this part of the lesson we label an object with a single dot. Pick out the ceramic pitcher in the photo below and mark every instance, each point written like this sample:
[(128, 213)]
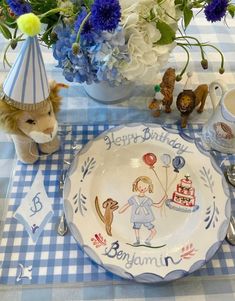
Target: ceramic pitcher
[(219, 131)]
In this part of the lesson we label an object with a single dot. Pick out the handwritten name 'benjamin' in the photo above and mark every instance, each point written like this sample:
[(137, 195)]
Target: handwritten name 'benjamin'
[(132, 259), (148, 134)]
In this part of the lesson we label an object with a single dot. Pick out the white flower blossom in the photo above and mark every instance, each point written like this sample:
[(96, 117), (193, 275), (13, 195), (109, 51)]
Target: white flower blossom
[(139, 18)]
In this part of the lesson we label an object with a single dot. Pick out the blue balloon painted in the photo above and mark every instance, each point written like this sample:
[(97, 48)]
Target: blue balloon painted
[(178, 162)]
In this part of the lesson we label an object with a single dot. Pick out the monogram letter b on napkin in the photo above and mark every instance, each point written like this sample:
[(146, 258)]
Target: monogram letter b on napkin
[(36, 209)]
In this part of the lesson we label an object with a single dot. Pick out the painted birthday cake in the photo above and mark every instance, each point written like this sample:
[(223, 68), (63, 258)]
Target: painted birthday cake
[(185, 193), (183, 198)]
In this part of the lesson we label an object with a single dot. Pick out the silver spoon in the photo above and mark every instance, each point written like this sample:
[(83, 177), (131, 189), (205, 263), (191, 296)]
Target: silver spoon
[(231, 174), (231, 231), (62, 227)]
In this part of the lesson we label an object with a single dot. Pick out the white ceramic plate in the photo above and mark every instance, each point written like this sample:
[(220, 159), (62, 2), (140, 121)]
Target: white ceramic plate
[(146, 204)]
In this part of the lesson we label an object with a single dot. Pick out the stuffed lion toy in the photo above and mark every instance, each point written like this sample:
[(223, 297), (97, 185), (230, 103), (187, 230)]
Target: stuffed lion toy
[(33, 130)]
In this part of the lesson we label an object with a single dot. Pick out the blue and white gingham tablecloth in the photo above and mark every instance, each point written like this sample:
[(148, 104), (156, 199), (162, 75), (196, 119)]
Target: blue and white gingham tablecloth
[(60, 270), (55, 259)]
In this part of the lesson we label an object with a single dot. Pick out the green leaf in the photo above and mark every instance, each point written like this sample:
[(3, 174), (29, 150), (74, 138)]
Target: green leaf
[(231, 10), (188, 14), (40, 7), (88, 3), (180, 4), (167, 33), (5, 31)]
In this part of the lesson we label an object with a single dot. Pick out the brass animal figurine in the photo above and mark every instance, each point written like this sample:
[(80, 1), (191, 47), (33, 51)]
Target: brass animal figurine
[(156, 106), (188, 100), (107, 218), (167, 88), (156, 103), (164, 94)]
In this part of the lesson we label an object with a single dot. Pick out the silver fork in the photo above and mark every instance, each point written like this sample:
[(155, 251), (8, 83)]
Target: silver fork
[(230, 175), (62, 227)]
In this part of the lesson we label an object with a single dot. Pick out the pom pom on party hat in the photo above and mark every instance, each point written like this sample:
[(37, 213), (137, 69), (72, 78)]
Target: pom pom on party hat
[(26, 86)]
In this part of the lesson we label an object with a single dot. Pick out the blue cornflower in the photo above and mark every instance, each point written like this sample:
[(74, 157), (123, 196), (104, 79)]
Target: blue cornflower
[(87, 30), (216, 10), (105, 14), (19, 7)]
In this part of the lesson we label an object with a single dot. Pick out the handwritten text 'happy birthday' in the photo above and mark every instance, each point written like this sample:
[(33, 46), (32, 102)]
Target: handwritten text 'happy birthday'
[(148, 135)]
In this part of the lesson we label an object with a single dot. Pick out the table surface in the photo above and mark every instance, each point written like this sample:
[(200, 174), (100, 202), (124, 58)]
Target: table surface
[(77, 108)]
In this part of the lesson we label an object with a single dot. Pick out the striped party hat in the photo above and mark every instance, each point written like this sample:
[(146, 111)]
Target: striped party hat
[(26, 86)]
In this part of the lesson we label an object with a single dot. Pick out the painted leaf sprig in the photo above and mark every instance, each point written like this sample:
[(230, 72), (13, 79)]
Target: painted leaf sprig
[(188, 251), (80, 202), (87, 167), (98, 240), (211, 218), (207, 178)]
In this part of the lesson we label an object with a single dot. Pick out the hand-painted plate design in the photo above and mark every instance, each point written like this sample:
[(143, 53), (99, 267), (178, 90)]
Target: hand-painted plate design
[(146, 203)]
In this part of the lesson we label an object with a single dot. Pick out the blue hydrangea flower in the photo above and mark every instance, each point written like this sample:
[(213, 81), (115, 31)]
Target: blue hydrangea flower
[(75, 67), (105, 14), (96, 61), (216, 10), (19, 7), (108, 55)]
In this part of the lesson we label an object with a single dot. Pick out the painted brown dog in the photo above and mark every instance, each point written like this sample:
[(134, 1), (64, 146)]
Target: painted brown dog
[(107, 218)]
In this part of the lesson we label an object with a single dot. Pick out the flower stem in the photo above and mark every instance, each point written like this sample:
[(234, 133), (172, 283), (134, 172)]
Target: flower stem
[(5, 60), (198, 44), (187, 62), (51, 12), (81, 26), (221, 54), (206, 45)]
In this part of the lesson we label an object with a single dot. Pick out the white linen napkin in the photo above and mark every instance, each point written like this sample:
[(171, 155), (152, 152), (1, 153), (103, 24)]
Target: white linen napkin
[(36, 209)]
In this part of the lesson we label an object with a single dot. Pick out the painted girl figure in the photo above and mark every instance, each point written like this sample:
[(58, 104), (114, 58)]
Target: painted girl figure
[(141, 212)]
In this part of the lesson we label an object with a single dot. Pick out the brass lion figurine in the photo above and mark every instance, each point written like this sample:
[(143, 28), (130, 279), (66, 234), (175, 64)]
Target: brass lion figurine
[(188, 100)]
